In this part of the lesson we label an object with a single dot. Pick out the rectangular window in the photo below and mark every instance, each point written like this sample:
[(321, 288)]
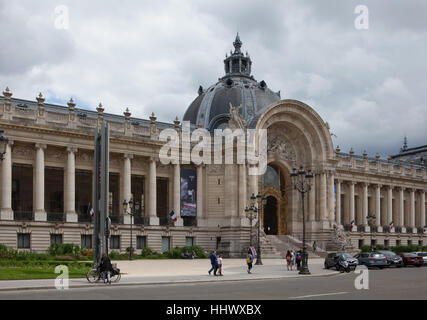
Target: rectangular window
[(141, 242), (397, 242), (409, 242), (189, 241), (22, 192), (114, 203), (137, 190), (166, 244), (83, 193), (386, 242), (115, 242), (56, 239), (54, 190), (360, 243), (86, 241), (218, 242), (24, 241), (162, 198)]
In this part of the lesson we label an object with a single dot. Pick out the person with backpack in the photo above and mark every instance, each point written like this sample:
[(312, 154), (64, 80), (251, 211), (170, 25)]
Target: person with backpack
[(106, 268), (298, 259), (288, 258), (249, 260), (212, 257)]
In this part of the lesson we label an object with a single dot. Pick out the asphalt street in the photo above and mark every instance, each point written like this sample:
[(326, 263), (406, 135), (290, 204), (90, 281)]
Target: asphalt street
[(405, 283)]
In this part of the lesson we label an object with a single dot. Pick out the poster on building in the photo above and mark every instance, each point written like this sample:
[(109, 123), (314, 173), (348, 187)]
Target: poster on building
[(188, 192)]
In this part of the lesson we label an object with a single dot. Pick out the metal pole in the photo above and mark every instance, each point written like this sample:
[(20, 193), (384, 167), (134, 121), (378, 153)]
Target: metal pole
[(131, 247), (304, 267), (259, 260)]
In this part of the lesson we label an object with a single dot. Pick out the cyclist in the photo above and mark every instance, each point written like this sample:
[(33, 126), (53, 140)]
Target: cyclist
[(106, 268)]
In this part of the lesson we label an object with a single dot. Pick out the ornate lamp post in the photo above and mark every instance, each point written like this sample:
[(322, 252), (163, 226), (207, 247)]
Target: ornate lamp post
[(251, 215), (3, 144), (258, 200), (131, 212), (371, 218), (302, 182)]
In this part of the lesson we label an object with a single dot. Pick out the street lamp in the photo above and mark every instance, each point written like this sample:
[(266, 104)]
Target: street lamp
[(371, 218), (3, 144), (302, 181), (129, 212), (251, 215), (258, 200)]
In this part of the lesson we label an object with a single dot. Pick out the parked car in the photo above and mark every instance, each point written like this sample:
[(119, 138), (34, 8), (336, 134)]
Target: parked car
[(412, 259), (393, 259), (332, 259), (372, 259), (423, 255)]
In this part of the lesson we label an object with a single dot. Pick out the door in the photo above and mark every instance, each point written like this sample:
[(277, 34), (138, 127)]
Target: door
[(270, 216)]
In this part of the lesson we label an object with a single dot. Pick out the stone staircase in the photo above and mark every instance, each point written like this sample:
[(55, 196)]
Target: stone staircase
[(276, 246)]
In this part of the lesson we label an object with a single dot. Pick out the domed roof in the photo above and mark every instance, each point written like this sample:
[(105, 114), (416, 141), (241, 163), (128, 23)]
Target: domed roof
[(211, 108)]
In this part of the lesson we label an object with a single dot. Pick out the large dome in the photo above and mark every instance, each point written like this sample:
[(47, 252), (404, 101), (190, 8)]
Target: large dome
[(211, 109)]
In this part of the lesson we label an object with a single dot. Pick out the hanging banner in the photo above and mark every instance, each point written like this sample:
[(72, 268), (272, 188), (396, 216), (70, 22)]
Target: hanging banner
[(188, 192)]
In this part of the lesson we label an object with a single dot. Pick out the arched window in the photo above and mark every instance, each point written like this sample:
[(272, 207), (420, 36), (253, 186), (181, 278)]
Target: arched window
[(274, 177)]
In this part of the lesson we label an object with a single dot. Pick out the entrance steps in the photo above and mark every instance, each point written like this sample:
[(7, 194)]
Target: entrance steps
[(276, 246)]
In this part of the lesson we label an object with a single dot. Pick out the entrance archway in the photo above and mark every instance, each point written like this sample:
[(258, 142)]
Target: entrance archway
[(271, 216), (274, 215)]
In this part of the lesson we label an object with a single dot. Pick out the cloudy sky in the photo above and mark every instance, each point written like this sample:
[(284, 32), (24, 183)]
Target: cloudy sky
[(369, 85)]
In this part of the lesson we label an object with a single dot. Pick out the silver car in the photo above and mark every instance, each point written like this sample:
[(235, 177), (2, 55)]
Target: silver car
[(423, 255)]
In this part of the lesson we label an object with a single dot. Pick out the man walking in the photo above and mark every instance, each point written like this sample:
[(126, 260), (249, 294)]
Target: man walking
[(212, 257)]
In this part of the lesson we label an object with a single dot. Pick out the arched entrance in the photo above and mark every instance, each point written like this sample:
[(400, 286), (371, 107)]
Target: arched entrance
[(274, 214), (270, 216)]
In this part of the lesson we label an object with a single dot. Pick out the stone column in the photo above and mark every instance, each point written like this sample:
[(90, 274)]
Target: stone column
[(40, 213), (242, 190), (412, 211), (312, 201), (390, 206), (152, 201), (422, 209), (365, 212), (351, 205), (200, 194), (70, 206), (6, 212), (402, 209), (177, 194), (253, 183), (378, 207), (338, 203), (322, 200), (331, 195), (127, 185)]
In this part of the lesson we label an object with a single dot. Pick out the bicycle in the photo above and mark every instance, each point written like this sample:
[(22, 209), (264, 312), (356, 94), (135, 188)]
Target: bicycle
[(94, 275)]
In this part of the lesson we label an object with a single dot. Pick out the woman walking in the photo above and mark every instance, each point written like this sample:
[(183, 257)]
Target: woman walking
[(249, 260), (219, 264), (289, 260)]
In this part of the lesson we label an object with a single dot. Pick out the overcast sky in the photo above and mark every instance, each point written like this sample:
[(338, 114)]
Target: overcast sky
[(369, 85)]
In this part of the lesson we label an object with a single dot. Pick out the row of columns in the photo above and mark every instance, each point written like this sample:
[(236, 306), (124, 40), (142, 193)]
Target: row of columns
[(377, 206), (6, 212)]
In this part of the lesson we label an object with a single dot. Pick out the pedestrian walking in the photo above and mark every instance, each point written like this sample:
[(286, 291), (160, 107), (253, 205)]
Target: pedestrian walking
[(288, 258), (212, 257), (219, 264), (249, 260), (314, 247), (298, 257), (106, 267)]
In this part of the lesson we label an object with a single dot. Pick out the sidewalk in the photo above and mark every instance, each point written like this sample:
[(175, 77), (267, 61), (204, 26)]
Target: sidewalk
[(157, 272)]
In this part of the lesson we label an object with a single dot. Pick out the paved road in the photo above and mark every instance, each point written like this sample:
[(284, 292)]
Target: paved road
[(405, 283)]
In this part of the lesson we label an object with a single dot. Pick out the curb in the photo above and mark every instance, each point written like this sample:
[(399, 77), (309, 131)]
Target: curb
[(167, 282)]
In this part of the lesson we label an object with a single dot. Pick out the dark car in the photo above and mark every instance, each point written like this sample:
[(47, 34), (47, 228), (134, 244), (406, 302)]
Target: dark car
[(332, 259), (412, 259), (393, 259), (372, 259)]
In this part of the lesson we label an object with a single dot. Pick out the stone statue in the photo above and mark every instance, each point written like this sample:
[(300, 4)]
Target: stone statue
[(340, 238), (237, 121)]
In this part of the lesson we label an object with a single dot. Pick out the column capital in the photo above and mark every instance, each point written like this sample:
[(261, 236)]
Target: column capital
[(72, 149), (401, 189), (10, 143), (154, 159), (351, 183), (41, 146), (378, 185), (128, 156), (339, 181), (364, 184)]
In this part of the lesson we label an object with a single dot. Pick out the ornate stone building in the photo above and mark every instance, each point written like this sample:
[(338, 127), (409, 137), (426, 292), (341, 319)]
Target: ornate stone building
[(46, 177)]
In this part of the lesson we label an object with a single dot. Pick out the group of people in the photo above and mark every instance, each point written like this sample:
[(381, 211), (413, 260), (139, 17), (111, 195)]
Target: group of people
[(216, 263), (188, 255), (293, 259)]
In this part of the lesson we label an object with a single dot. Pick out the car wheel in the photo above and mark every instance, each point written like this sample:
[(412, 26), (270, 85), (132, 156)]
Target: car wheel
[(418, 265)]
